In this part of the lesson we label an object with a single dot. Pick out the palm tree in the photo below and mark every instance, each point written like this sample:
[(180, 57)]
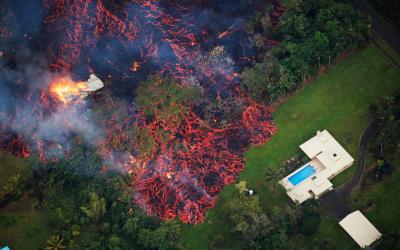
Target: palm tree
[(12, 184), (54, 243), (242, 186), (96, 208), (173, 229), (272, 177)]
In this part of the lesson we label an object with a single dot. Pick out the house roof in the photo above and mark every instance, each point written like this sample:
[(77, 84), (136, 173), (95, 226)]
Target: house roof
[(327, 150), (328, 159), (360, 229)]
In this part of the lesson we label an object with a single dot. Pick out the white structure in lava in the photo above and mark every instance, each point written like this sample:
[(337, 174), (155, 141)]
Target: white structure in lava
[(328, 159), (92, 84), (68, 92)]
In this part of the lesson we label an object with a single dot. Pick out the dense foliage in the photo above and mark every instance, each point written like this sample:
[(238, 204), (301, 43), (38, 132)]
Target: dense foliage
[(385, 142), (268, 230), (312, 34), (94, 210), (389, 241)]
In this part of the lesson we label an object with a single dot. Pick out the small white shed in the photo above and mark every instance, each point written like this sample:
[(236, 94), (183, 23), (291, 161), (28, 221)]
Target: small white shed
[(360, 229)]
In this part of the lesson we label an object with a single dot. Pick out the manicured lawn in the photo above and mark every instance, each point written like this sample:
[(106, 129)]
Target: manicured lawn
[(337, 101)]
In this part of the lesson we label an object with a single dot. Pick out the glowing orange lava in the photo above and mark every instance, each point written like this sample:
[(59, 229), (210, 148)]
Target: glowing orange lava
[(66, 90), (134, 66)]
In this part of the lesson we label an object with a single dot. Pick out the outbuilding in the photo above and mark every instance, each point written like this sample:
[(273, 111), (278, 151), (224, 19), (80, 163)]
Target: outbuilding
[(360, 229)]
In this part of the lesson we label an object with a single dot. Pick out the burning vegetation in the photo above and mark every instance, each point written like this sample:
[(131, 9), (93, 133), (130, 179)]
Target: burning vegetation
[(171, 114)]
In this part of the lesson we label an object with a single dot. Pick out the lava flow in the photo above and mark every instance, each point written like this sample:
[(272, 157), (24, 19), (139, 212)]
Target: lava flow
[(188, 158)]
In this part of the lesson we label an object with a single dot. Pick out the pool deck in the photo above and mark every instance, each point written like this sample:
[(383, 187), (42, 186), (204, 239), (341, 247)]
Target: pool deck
[(328, 158)]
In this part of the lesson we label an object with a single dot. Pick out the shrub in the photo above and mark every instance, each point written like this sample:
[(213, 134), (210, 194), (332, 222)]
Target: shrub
[(309, 223)]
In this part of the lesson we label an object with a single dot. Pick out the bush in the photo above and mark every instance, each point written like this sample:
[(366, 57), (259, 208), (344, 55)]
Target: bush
[(309, 223), (389, 241)]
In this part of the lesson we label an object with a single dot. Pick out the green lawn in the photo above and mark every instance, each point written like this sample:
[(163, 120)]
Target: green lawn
[(337, 101), (9, 166), (21, 226), (385, 213)]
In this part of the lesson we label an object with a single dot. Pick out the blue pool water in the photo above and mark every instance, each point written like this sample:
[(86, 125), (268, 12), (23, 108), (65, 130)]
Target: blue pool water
[(302, 175)]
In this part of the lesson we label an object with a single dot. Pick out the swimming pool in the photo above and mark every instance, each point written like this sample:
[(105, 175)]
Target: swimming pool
[(302, 175)]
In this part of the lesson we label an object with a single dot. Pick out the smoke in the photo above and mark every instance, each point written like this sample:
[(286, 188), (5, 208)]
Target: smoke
[(27, 109)]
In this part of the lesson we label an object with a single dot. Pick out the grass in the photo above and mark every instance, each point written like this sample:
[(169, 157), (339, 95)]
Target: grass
[(9, 166), (387, 49), (21, 226), (385, 199), (337, 101)]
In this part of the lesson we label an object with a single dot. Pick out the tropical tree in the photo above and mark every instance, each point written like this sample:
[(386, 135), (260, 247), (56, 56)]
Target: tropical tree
[(272, 177), (241, 186), (254, 81), (114, 243), (157, 239), (173, 229), (54, 243), (96, 207), (246, 217), (131, 225), (75, 230), (12, 184)]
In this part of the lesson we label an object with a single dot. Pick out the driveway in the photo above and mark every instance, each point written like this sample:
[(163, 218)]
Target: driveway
[(338, 201)]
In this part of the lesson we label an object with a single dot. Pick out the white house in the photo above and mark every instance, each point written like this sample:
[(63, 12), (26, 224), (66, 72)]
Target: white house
[(328, 159)]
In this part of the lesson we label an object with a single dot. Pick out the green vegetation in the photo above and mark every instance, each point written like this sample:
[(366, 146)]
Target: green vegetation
[(75, 203), (337, 101), (22, 226), (314, 33), (378, 195), (163, 97), (71, 204)]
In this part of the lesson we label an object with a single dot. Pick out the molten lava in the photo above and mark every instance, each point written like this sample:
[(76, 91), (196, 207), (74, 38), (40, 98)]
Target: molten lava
[(188, 160), (66, 90)]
